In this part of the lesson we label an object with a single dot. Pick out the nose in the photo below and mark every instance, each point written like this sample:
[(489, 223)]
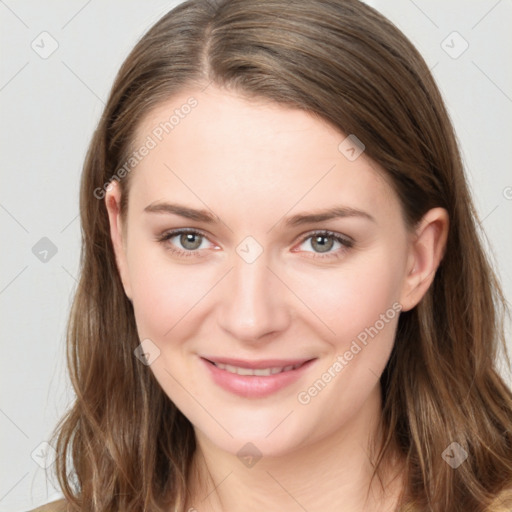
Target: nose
[(254, 303)]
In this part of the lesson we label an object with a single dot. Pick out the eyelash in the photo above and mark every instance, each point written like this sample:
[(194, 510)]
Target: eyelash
[(346, 242)]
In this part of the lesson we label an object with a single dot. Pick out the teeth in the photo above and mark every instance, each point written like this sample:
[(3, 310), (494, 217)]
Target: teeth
[(261, 372)]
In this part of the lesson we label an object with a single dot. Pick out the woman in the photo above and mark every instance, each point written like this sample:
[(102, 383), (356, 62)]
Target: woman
[(284, 303)]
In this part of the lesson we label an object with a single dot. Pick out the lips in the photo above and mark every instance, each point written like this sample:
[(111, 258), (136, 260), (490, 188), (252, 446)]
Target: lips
[(255, 379)]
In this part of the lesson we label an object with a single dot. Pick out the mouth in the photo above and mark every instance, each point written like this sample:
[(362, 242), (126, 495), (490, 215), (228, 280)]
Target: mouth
[(255, 379)]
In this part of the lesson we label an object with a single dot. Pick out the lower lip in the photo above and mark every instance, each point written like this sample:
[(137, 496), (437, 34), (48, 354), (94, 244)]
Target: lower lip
[(254, 386)]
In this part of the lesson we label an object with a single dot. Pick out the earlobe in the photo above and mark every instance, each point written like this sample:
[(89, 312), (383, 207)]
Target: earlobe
[(426, 252), (117, 235)]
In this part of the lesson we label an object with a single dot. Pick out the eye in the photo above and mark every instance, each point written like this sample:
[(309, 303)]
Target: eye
[(322, 244), (184, 242), (326, 244)]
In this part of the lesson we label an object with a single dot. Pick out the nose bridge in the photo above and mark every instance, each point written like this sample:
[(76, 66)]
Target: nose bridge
[(254, 303)]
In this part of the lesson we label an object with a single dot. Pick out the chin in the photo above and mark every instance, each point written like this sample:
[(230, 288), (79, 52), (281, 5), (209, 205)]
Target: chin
[(259, 438)]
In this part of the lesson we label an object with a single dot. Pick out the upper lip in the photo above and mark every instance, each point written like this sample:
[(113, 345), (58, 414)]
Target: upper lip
[(263, 363)]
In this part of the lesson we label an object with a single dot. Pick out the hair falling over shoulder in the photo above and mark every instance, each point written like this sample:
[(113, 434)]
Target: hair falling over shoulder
[(124, 446)]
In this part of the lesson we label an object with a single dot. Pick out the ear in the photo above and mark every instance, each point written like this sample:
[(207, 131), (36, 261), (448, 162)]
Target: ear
[(427, 248), (117, 233)]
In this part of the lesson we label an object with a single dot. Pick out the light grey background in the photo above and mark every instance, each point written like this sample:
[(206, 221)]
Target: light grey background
[(49, 109)]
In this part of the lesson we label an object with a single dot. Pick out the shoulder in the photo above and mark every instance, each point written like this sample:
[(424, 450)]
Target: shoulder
[(54, 506)]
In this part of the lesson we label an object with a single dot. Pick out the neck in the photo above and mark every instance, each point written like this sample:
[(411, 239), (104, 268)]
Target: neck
[(333, 474)]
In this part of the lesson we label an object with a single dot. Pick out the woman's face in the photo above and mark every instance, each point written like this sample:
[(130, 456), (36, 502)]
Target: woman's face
[(295, 264)]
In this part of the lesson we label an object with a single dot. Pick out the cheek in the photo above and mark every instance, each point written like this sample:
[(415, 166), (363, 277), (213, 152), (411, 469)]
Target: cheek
[(161, 292), (359, 302), (350, 298), (164, 293)]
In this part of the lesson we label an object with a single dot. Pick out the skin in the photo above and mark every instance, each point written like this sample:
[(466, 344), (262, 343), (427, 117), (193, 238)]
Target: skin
[(253, 165)]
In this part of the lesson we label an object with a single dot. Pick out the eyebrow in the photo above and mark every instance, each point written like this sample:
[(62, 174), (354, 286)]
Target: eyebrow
[(327, 214), (208, 217), (182, 211)]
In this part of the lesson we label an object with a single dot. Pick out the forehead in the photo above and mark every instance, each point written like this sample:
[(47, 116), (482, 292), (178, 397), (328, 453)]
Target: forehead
[(220, 147)]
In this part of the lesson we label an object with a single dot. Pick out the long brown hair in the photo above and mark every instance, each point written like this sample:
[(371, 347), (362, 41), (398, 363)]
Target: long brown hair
[(124, 446)]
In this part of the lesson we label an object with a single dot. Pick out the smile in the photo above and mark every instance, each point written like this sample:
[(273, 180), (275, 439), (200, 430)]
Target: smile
[(254, 379)]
